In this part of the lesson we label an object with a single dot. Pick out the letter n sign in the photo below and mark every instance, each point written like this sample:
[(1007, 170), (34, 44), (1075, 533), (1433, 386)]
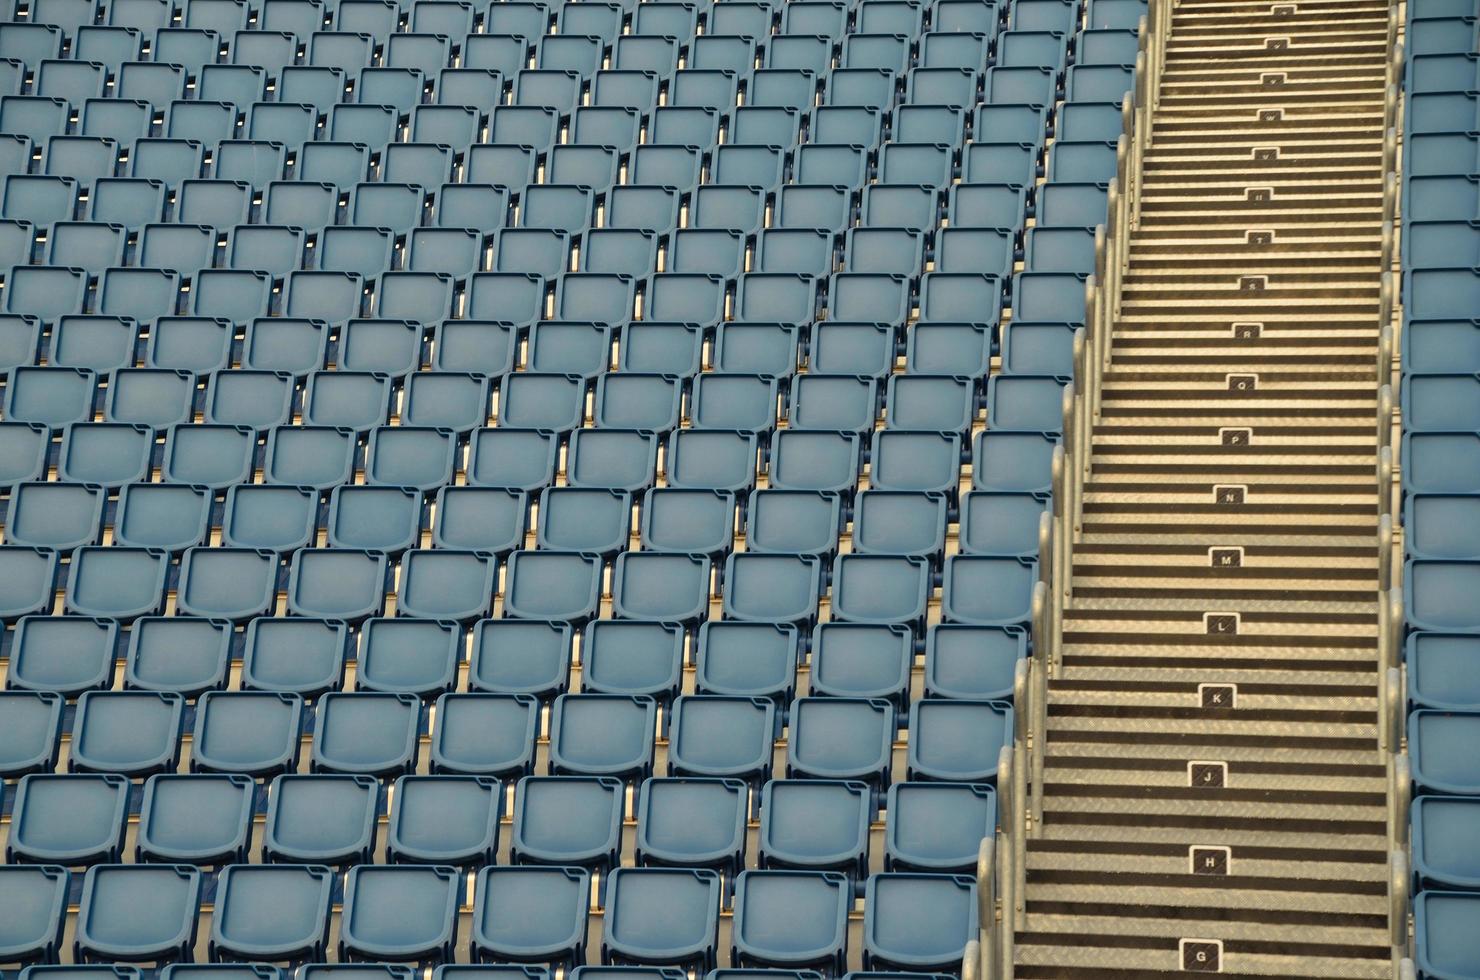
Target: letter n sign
[(1202, 955)]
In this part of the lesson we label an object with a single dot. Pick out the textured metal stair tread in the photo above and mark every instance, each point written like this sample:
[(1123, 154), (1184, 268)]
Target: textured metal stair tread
[(1055, 960), (1349, 935), (1079, 772)]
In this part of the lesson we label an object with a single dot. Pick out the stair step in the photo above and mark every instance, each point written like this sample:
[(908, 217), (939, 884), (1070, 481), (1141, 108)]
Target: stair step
[(1055, 958)]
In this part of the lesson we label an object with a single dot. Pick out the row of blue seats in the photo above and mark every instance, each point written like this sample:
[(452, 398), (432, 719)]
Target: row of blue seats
[(218, 456), (849, 658), (202, 345), (398, 971), (782, 919), (1440, 304), (308, 657), (375, 733), (351, 584), (205, 819)]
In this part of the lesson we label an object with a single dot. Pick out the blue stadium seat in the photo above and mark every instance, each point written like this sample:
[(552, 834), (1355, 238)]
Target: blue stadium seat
[(531, 915), (772, 588), (632, 657), (858, 348), (841, 738), (793, 522), (602, 735), (368, 733), (940, 750), (926, 462), (30, 725), (1442, 946), (612, 459), (1435, 591), (66, 654), (485, 734), (409, 456), (445, 820), (726, 737), (138, 912), (175, 653), (451, 585), (1444, 836), (1439, 673), (661, 915), (765, 349), (917, 921), (791, 919), (374, 518), (887, 522), (688, 521), (321, 819), (271, 912), (520, 657), (404, 912), (196, 819), (871, 588), (862, 660), (747, 660), (34, 902), (937, 827), (671, 588), (301, 656), (552, 585), (568, 820), (68, 820), (816, 825), (253, 733), (820, 460), (692, 823), (412, 656), (584, 519), (134, 733)]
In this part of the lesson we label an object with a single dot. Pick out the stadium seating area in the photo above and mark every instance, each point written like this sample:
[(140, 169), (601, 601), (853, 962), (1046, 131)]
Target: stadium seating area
[(1441, 452), (449, 446)]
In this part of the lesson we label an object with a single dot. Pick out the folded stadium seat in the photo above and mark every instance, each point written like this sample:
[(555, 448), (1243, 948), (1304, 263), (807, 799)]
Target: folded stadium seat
[(516, 298), (642, 208), (1091, 121), (169, 517), (1025, 402), (65, 654), (1440, 526), (1038, 348), (68, 820), (1439, 670), (368, 733), (873, 588), (793, 522), (575, 348), (96, 343), (778, 588), (19, 338), (858, 296), (862, 660), (665, 166), (727, 737), (940, 747), (1435, 594), (137, 912), (183, 248), (31, 723), (419, 457), (996, 523), (1453, 72), (1439, 402), (1032, 49), (411, 656), (791, 919), (827, 156), (901, 523), (660, 348), (817, 206), (1433, 244), (301, 656), (915, 207), (123, 583), (737, 402), (445, 400), (526, 20), (841, 738), (367, 125), (633, 90), (1444, 836), (217, 203), (531, 914), (51, 396), (765, 349), (815, 825), (725, 51), (44, 292), (613, 459), (692, 823), (1441, 948), (36, 198), (456, 251), (445, 820), (712, 460), (568, 820), (511, 458), (400, 912), (754, 660), (147, 396), (475, 346), (195, 819), (276, 518), (1000, 162), (1436, 741), (35, 912), (954, 349), (485, 734), (271, 912), (189, 656), (650, 402), (834, 403), (625, 657), (732, 208), (957, 297), (227, 583), (496, 51), (988, 591), (918, 921), (481, 205), (389, 205), (917, 461), (700, 522), (828, 20), (776, 296), (602, 735), (29, 581), (488, 519), (552, 585), (321, 819), (816, 460), (611, 127), (54, 515), (1441, 462), (450, 585), (238, 84), (1059, 250), (937, 827), (938, 404), (1071, 205), (745, 165), (89, 246), (250, 733), (376, 518), (36, 117), (1013, 461), (550, 402), (365, 252), (661, 915), (888, 251), (667, 587), (961, 250), (256, 399), (1098, 83), (251, 250), (302, 456)]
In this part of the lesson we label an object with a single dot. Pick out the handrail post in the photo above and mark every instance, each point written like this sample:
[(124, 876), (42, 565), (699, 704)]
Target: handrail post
[(986, 906)]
